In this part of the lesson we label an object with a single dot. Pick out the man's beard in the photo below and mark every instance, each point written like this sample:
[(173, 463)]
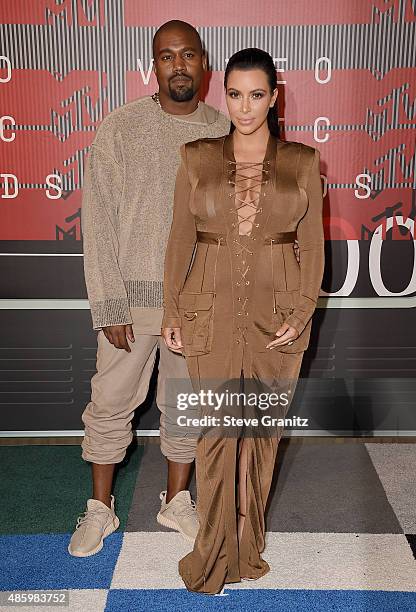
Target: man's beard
[(183, 95)]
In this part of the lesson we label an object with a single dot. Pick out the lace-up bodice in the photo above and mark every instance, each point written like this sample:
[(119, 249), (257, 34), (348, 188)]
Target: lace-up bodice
[(248, 179)]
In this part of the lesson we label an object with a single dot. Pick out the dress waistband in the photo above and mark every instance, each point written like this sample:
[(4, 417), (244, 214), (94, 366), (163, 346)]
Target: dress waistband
[(216, 238)]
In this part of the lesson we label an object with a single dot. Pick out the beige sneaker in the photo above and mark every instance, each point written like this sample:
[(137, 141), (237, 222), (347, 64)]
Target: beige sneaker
[(179, 514), (91, 529)]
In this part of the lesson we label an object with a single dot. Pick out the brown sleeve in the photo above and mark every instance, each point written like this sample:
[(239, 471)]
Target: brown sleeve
[(310, 235), (180, 247)]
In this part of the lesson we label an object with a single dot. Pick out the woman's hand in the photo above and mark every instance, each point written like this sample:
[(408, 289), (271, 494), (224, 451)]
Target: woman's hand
[(172, 337), (286, 334)]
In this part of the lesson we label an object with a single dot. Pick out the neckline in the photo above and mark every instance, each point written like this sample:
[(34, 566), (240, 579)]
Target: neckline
[(268, 156), (198, 108), (171, 117)]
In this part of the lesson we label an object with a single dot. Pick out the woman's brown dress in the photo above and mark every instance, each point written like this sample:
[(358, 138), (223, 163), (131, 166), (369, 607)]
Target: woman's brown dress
[(231, 279)]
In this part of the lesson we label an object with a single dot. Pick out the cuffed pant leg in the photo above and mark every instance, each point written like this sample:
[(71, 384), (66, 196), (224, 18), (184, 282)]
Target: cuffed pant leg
[(120, 384), (177, 443)]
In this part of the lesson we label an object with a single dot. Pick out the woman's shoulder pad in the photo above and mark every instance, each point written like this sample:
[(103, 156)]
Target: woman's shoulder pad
[(306, 150), (203, 142)]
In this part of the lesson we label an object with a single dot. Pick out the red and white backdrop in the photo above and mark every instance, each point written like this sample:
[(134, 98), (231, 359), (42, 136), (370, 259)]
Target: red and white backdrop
[(347, 82)]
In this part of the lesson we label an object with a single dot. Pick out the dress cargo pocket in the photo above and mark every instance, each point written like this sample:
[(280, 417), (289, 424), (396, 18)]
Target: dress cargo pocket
[(197, 322), (269, 322), (285, 305)]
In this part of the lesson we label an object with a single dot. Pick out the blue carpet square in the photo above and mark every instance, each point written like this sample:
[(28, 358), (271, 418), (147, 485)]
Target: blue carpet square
[(43, 562), (287, 600)]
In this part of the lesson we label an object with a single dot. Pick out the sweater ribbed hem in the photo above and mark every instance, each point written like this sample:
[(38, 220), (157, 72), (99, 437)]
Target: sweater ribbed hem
[(113, 311)]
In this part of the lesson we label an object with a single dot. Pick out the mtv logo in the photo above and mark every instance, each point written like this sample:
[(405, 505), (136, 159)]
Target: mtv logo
[(76, 12), (80, 111)]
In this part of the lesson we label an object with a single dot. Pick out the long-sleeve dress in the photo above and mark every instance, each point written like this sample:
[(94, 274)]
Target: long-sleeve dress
[(231, 279)]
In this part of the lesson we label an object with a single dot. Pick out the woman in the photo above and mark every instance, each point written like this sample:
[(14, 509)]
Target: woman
[(242, 306)]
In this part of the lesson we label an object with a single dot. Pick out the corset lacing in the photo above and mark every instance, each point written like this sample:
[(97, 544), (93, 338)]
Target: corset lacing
[(237, 176)]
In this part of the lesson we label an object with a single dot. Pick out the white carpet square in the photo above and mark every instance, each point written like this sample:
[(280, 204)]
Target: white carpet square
[(297, 561), (337, 561), (396, 467), (149, 560)]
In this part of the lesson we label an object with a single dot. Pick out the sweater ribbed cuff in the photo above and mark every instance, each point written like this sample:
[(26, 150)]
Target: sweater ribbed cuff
[(113, 311), (144, 293)]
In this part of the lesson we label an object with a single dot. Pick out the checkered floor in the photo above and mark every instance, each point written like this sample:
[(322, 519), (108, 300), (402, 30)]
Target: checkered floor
[(341, 532)]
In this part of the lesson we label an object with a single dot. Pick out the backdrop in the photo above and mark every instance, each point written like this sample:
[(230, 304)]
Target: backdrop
[(346, 85)]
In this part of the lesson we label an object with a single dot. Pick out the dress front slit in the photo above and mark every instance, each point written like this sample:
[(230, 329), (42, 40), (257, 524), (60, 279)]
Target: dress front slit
[(218, 557)]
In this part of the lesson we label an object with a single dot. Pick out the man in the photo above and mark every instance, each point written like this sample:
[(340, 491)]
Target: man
[(126, 217)]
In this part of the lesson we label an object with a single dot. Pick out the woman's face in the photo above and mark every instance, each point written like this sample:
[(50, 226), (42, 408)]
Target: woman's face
[(248, 98)]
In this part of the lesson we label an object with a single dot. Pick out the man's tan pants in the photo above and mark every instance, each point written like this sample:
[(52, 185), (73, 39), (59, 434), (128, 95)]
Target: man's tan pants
[(120, 385)]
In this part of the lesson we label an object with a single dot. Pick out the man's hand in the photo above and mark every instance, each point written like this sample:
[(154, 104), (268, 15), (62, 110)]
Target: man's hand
[(118, 335), (296, 250), (286, 334), (172, 337)]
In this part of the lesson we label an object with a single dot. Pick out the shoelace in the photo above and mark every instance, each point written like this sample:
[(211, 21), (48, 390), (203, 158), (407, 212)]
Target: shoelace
[(90, 517), (187, 510)]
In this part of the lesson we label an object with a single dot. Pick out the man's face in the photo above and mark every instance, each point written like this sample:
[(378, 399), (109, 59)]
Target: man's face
[(178, 64)]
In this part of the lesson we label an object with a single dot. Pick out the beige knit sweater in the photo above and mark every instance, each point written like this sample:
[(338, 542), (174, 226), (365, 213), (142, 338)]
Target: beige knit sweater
[(127, 204)]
